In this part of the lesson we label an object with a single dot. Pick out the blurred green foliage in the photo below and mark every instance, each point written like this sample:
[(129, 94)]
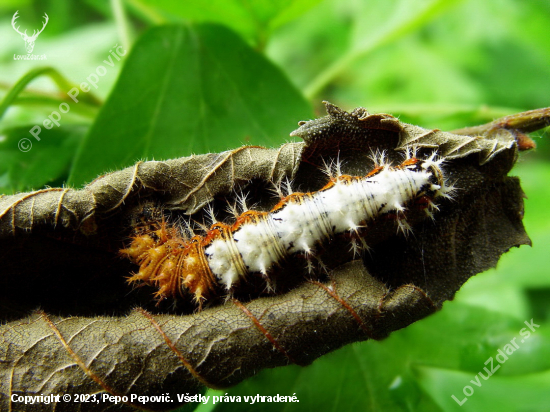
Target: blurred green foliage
[(201, 76)]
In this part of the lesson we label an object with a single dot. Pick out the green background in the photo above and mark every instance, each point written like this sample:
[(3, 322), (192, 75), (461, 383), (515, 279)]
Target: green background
[(201, 76)]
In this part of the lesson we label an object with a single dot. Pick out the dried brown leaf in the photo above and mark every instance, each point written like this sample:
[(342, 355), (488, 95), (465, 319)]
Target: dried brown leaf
[(58, 252)]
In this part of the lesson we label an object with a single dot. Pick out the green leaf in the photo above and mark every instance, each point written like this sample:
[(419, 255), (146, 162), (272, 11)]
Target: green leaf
[(46, 162), (254, 20), (186, 89), (374, 376), (503, 394), (525, 269)]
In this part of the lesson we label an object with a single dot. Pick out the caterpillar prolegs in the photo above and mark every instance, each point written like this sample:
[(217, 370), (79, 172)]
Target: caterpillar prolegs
[(257, 242)]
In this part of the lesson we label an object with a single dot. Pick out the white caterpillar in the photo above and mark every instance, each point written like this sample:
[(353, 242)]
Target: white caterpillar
[(258, 241)]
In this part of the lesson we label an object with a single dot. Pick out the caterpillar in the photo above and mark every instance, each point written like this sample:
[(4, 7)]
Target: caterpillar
[(257, 242)]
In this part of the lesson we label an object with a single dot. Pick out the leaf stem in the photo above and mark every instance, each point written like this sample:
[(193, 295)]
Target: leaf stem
[(123, 25), (146, 12), (393, 30), (85, 110), (444, 110), (58, 79)]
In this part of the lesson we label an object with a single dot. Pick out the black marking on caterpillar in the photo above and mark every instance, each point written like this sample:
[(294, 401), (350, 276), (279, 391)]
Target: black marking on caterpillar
[(207, 266)]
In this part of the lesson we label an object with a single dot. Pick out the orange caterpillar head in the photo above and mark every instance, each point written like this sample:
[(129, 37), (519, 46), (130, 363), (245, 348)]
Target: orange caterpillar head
[(171, 263)]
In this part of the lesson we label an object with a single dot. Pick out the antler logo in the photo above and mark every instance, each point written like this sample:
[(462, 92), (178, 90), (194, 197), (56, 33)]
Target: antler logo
[(29, 40)]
